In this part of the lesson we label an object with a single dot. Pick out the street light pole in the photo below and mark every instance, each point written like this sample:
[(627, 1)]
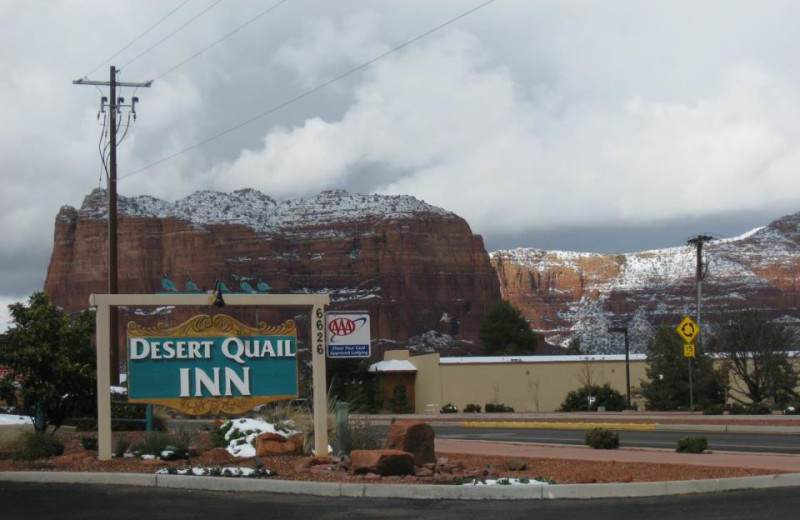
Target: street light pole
[(627, 362)]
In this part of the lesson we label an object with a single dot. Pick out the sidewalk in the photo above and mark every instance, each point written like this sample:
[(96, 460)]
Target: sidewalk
[(782, 462)]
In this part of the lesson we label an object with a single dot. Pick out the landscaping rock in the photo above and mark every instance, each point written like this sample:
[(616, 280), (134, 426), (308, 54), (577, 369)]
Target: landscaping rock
[(423, 472), (274, 443), (414, 437), (214, 456), (382, 462)]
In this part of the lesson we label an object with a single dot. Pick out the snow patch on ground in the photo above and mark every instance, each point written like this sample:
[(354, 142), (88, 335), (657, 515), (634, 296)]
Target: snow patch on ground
[(14, 419), (506, 482)]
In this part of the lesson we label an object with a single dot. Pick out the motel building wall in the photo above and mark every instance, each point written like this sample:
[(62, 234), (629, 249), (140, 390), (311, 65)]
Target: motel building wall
[(525, 383)]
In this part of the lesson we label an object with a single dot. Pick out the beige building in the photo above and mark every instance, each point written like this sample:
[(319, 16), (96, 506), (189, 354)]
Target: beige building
[(525, 383)]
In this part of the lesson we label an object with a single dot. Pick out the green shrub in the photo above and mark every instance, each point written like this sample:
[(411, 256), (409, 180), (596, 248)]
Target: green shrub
[(472, 408), (736, 409), (449, 408), (714, 409), (497, 408), (602, 439), (692, 445), (578, 400), (36, 445), (759, 409)]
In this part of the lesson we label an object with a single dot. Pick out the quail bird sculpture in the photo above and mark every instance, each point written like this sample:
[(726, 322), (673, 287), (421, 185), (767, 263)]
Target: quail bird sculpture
[(167, 284), (263, 286), (246, 287), (190, 285)]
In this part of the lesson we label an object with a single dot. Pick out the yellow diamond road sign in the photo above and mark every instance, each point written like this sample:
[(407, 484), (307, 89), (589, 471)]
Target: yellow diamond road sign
[(688, 329), (688, 350)]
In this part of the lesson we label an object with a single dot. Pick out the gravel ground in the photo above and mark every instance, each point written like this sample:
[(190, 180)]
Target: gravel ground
[(451, 468)]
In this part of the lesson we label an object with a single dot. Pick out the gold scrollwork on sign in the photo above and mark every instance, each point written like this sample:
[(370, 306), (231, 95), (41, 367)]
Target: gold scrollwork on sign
[(215, 405), (220, 325)]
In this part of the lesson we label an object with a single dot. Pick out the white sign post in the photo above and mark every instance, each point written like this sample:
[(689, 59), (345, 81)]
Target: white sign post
[(347, 335)]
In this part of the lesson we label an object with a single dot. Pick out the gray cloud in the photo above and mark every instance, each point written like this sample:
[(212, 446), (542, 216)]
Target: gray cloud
[(545, 123)]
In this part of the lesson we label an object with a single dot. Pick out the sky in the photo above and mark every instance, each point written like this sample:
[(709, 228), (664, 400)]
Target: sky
[(606, 126)]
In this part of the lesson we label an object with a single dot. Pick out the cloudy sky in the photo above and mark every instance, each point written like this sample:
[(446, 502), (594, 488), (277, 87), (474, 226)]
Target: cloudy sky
[(591, 125)]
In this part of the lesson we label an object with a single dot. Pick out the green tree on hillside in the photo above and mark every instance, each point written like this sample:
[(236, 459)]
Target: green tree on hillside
[(667, 385), (53, 362), (506, 331)]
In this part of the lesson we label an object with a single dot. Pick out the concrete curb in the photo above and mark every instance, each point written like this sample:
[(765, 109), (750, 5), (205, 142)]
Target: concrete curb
[(729, 428), (410, 491)]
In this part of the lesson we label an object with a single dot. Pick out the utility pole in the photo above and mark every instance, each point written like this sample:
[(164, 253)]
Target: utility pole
[(627, 361), (114, 106), (697, 241)]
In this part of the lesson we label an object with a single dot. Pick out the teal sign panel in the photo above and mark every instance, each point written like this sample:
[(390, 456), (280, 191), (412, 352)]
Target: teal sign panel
[(182, 367)]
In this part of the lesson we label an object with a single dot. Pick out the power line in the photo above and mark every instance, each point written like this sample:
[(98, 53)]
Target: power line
[(137, 38), (170, 35), (204, 49), (311, 91)]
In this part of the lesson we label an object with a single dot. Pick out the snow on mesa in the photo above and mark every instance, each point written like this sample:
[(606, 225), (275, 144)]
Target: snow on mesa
[(262, 213)]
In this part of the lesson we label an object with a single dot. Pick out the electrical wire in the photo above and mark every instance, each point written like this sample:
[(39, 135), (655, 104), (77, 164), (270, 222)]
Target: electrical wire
[(204, 49), (173, 33), (101, 150), (311, 91), (137, 38)]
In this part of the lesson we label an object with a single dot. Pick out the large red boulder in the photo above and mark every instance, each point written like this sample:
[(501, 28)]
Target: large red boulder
[(275, 443), (412, 436), (382, 462)]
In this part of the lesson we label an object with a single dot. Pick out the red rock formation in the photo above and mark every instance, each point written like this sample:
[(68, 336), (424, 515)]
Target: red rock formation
[(566, 294), (407, 263)]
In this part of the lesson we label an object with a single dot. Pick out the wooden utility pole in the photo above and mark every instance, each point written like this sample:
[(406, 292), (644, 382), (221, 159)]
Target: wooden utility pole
[(114, 105), (699, 275)]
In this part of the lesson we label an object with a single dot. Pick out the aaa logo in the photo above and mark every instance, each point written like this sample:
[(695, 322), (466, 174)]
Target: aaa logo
[(345, 326)]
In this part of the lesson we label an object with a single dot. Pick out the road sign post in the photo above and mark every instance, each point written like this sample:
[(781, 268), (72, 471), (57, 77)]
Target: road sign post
[(688, 331)]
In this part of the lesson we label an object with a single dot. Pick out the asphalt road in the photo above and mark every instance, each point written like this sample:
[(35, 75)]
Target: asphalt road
[(90, 502), (754, 443)]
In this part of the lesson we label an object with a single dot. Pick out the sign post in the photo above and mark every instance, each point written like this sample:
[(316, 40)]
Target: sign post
[(688, 330)]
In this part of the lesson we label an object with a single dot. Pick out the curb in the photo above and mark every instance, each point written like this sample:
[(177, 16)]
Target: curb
[(642, 427), (409, 491), (711, 428)]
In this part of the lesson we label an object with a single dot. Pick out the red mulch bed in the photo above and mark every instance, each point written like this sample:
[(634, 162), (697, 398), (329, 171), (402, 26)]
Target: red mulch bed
[(455, 467)]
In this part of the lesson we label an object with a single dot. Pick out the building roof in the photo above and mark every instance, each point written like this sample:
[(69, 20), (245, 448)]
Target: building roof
[(395, 365), (536, 359)]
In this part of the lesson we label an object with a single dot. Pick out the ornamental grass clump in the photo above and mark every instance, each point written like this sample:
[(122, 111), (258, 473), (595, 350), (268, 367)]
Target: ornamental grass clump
[(692, 445), (36, 445), (602, 439)]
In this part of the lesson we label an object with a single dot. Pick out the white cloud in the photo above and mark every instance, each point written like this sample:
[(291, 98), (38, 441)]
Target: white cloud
[(462, 133)]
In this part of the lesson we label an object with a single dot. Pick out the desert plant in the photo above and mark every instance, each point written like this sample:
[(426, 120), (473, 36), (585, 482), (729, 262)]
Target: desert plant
[(36, 445), (692, 445), (497, 408), (121, 445), (602, 439), (472, 408), (89, 443), (153, 443), (217, 434), (364, 435), (449, 408)]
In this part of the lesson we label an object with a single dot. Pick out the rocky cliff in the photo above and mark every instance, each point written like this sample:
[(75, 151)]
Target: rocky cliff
[(568, 295), (419, 270)]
